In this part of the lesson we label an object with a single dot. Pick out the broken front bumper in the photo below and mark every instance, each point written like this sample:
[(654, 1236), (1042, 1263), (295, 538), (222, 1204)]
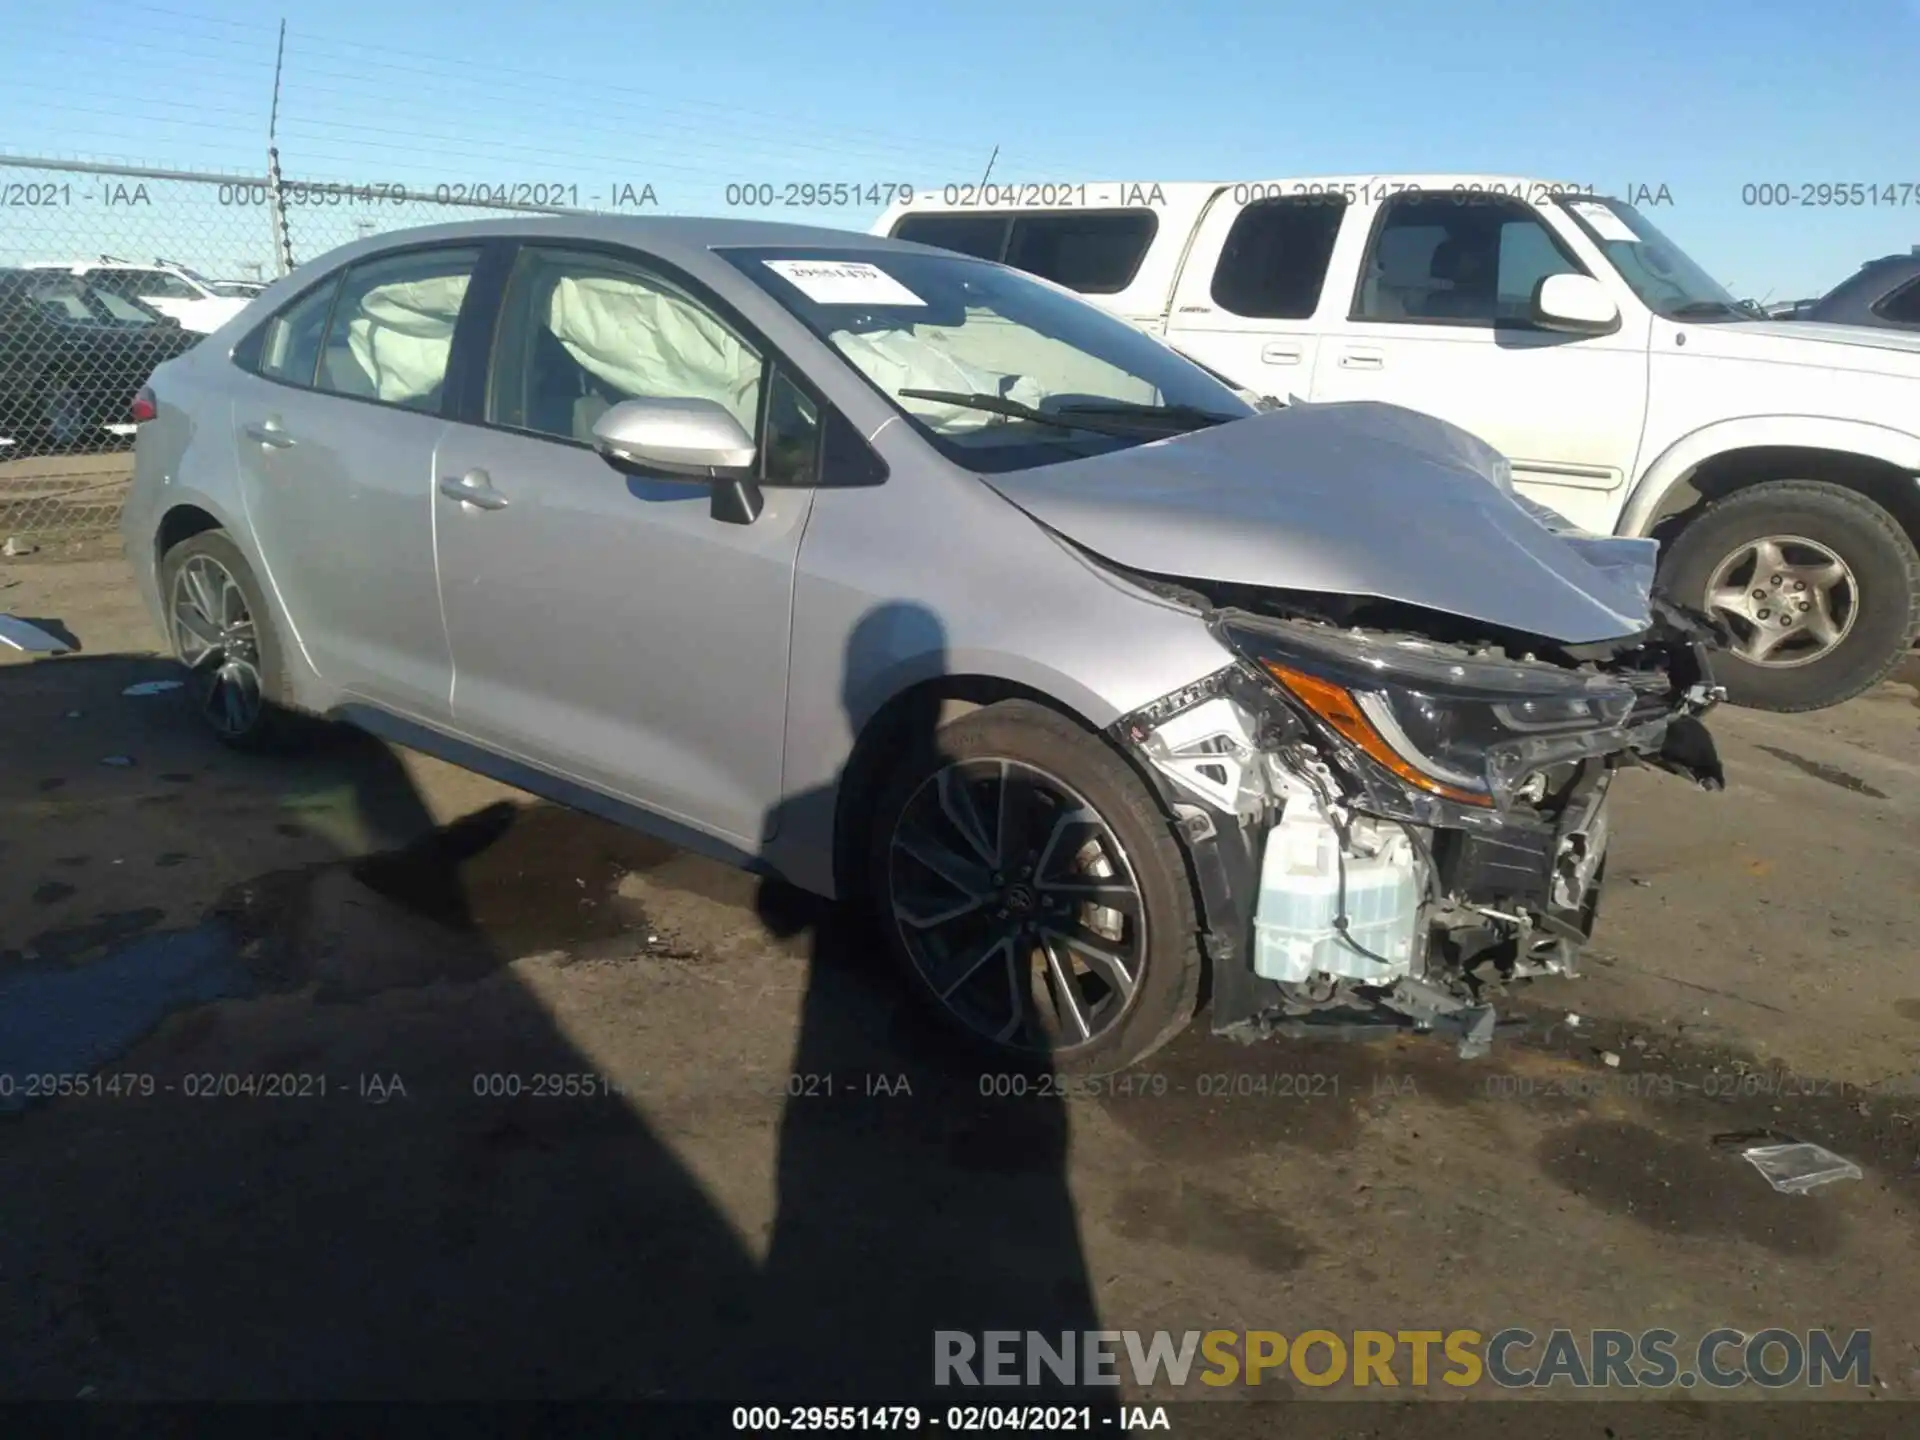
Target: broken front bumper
[(1320, 903)]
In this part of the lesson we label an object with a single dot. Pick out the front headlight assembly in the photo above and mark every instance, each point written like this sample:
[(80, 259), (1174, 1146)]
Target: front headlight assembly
[(1471, 731)]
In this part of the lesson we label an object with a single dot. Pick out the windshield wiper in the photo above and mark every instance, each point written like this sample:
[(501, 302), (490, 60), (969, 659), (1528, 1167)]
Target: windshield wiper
[(1189, 415), (999, 405)]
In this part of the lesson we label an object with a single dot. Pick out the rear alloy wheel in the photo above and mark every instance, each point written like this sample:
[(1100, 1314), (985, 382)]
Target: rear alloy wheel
[(222, 633), (1819, 586), (1034, 893)]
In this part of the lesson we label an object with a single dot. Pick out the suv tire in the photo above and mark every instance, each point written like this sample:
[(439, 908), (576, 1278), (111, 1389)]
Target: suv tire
[(1874, 609)]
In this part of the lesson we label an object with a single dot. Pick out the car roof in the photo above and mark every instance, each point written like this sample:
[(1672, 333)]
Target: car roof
[(671, 237)]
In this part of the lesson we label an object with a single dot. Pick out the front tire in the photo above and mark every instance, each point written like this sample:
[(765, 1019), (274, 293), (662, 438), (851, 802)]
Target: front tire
[(1032, 892), (223, 632), (1820, 586)]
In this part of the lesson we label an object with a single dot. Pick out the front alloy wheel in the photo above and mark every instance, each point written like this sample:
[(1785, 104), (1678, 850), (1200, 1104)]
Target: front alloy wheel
[(1017, 904), (1029, 885)]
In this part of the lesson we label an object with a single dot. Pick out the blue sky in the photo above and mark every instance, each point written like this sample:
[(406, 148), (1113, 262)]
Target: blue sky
[(1702, 98)]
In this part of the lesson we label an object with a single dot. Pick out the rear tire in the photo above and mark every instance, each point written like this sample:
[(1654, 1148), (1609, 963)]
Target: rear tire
[(1069, 940), (221, 629), (1820, 584)]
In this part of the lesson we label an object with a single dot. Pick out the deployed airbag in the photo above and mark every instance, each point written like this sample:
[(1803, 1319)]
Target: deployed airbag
[(651, 342), (403, 333)]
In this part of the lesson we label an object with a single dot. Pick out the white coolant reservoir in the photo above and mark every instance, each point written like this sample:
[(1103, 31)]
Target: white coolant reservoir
[(1300, 885)]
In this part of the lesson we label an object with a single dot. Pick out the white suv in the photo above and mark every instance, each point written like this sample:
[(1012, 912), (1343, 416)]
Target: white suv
[(196, 302), (1776, 462)]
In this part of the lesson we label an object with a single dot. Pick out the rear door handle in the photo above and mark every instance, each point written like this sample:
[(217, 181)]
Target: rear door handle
[(1278, 354), (474, 488), (1358, 359), (268, 433)]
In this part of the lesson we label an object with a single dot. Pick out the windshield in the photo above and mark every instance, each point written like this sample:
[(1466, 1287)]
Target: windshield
[(1665, 278), (981, 359)]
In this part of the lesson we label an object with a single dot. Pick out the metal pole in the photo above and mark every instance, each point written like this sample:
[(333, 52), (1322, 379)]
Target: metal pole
[(276, 203)]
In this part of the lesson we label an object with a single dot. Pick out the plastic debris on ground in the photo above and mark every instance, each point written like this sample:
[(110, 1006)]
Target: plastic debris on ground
[(1796, 1169), (25, 636), (152, 687)]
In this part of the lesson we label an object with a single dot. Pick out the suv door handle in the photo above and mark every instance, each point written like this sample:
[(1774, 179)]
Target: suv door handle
[(268, 433), (1362, 359), (474, 488), (1279, 354)]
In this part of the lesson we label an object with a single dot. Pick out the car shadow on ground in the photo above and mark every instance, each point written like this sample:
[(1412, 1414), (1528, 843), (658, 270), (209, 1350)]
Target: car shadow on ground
[(323, 1155)]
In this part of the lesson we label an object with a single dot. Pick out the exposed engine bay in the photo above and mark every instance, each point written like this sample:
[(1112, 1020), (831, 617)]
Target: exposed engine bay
[(1387, 808)]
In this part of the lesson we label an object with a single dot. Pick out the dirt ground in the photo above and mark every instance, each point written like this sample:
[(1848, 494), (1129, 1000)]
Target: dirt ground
[(782, 1184)]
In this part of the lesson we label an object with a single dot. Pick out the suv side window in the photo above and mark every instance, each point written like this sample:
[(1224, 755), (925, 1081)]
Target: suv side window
[(289, 344), (392, 328), (1091, 251), (147, 284), (1902, 307), (1096, 252), (1453, 260), (581, 331), (982, 236), (1274, 261)]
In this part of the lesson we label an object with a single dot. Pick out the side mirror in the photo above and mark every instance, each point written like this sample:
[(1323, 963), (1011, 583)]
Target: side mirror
[(680, 438), (1575, 305)]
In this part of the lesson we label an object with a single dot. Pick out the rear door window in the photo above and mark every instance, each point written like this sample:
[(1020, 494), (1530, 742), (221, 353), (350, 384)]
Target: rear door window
[(392, 328), (1096, 252), (1274, 262)]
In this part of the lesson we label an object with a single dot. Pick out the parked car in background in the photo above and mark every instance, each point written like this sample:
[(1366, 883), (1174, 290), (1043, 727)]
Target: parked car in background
[(1884, 293), (72, 358), (1788, 309), (171, 289), (1775, 462), (923, 583)]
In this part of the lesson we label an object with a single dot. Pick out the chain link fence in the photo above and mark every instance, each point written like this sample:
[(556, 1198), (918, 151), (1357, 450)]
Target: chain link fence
[(107, 271)]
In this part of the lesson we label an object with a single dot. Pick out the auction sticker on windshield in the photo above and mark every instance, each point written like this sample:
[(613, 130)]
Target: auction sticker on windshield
[(1606, 224), (843, 282)]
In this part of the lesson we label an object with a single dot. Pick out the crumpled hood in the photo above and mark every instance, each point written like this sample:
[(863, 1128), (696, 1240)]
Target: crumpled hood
[(1354, 499)]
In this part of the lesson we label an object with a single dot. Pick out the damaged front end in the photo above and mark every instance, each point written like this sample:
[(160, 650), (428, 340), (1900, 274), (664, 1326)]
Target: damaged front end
[(1387, 808)]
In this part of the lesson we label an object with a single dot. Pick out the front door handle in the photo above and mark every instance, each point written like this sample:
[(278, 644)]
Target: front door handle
[(268, 433), (1280, 354), (474, 488), (1362, 359)]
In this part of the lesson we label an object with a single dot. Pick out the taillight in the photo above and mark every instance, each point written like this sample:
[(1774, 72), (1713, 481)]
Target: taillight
[(144, 407)]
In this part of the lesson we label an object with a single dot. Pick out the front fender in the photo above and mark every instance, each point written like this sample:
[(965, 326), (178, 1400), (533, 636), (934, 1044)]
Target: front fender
[(1803, 432)]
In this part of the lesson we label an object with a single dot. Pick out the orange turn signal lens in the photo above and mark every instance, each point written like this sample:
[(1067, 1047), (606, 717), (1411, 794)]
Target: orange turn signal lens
[(1336, 706)]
